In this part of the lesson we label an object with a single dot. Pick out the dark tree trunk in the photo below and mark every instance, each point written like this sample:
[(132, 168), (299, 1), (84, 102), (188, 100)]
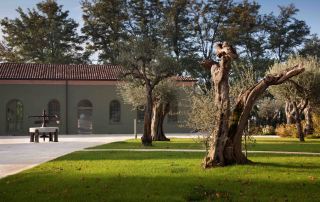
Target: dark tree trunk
[(146, 137), (225, 146), (160, 110), (300, 133), (309, 123)]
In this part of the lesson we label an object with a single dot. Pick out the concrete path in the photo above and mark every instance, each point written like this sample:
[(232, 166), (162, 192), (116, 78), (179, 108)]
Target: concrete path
[(17, 153)]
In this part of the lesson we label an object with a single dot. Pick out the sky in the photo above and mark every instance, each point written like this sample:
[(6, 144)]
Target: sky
[(309, 9)]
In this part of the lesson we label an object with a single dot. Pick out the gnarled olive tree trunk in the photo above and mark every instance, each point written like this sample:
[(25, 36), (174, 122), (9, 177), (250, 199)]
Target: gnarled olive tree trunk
[(289, 112), (309, 129), (297, 117), (160, 110), (225, 140)]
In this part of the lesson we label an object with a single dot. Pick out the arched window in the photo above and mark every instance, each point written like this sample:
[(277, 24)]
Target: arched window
[(115, 111), (85, 117), (173, 113), (14, 115), (54, 108)]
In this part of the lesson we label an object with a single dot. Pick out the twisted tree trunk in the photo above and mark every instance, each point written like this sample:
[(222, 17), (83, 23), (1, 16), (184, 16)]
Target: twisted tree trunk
[(225, 140), (298, 122), (289, 112), (309, 123), (160, 110)]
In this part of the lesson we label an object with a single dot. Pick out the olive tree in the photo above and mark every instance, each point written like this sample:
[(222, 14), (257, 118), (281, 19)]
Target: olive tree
[(164, 95), (300, 93), (225, 146)]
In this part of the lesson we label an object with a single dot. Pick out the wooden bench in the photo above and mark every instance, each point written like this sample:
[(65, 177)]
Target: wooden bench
[(37, 132)]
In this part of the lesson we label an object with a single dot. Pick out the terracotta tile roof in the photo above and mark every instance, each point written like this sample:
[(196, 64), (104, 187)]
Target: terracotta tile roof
[(58, 72), (31, 71)]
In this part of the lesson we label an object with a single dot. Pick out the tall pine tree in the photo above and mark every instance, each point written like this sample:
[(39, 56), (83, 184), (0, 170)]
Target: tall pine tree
[(104, 27), (42, 35)]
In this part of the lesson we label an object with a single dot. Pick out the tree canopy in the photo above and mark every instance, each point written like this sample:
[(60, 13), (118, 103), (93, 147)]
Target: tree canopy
[(43, 34)]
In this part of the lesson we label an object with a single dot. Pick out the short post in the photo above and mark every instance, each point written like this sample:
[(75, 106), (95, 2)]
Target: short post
[(31, 137), (50, 137), (55, 137), (36, 135), (135, 128)]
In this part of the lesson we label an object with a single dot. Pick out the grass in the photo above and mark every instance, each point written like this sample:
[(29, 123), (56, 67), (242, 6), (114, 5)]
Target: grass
[(166, 176), (175, 143), (285, 144), (260, 144)]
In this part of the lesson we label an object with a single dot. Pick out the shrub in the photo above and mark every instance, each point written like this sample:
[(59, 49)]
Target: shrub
[(286, 130), (316, 125), (268, 130)]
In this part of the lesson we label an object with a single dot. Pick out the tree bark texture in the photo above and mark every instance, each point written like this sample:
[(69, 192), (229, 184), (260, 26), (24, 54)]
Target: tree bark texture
[(309, 129), (289, 113), (225, 146), (160, 110), (298, 122), (146, 137)]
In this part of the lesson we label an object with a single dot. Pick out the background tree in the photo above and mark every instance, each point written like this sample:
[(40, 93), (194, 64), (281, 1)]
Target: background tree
[(164, 95), (285, 32), (311, 47), (176, 28), (207, 19), (104, 27), (7, 54), (144, 56), (300, 92), (147, 63), (245, 28), (269, 110), (42, 35)]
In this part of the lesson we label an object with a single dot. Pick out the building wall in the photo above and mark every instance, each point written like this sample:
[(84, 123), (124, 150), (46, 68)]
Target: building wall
[(35, 97)]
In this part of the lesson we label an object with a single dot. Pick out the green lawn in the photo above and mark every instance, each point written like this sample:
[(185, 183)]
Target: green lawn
[(166, 176), (175, 143), (261, 144)]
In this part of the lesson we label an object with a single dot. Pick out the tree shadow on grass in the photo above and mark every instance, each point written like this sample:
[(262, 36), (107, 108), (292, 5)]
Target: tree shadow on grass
[(293, 141), (156, 145), (129, 155), (283, 165), (204, 186)]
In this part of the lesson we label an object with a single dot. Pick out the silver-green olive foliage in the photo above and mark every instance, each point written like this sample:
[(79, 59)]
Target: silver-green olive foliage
[(305, 86)]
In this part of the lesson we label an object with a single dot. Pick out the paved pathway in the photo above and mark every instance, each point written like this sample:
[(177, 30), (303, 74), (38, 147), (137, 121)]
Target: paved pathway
[(17, 153)]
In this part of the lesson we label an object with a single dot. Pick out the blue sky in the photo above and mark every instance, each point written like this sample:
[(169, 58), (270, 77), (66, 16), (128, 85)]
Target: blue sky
[(309, 9)]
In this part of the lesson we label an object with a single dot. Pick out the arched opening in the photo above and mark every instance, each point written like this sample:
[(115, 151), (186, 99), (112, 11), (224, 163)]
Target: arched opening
[(115, 111), (14, 117), (84, 117), (54, 109)]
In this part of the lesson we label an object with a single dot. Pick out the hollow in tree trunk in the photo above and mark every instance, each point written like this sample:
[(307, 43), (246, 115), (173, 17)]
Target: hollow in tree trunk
[(225, 141), (160, 110)]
